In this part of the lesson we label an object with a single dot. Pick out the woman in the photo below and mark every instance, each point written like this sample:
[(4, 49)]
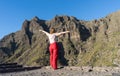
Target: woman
[(53, 48)]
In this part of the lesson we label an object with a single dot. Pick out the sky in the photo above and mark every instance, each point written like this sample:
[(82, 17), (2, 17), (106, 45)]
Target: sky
[(14, 12)]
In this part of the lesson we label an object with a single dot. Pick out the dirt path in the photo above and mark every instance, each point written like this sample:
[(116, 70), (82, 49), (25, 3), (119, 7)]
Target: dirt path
[(68, 71)]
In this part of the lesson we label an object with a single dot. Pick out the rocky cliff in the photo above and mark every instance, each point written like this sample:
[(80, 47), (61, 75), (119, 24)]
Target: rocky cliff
[(94, 43)]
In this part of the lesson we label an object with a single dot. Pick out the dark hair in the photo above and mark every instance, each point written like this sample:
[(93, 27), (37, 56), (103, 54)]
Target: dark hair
[(52, 30)]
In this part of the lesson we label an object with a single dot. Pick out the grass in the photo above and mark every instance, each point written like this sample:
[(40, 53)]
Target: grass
[(103, 54)]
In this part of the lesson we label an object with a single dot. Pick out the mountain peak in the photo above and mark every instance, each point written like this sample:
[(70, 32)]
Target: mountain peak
[(35, 18), (64, 18), (115, 15)]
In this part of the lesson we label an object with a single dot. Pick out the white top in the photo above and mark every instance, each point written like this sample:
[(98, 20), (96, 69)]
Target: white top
[(52, 38)]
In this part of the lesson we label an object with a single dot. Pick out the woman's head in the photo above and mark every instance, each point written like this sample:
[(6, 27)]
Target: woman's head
[(52, 30)]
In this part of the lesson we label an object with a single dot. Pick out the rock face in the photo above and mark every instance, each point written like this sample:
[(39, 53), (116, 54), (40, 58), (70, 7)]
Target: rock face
[(94, 43)]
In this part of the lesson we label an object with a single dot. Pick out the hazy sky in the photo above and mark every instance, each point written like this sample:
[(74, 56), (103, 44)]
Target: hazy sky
[(14, 12)]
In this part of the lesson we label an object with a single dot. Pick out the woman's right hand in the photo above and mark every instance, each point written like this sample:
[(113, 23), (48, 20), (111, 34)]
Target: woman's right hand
[(67, 31)]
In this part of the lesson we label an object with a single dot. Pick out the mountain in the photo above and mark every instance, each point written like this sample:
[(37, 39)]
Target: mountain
[(90, 43)]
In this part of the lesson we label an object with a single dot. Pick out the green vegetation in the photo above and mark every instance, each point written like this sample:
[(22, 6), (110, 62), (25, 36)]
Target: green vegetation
[(102, 54)]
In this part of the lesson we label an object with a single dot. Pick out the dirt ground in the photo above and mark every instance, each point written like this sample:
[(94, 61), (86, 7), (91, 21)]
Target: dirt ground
[(68, 71)]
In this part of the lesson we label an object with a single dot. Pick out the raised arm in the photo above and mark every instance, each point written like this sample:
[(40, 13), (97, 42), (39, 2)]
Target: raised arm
[(44, 32), (61, 33)]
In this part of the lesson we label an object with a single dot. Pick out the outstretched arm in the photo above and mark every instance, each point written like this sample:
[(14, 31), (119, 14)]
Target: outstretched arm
[(44, 32), (61, 33)]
